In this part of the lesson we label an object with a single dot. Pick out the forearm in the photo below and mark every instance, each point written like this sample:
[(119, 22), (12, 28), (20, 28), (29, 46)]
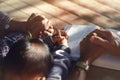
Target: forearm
[(17, 25), (7, 23), (56, 73), (79, 71), (61, 64)]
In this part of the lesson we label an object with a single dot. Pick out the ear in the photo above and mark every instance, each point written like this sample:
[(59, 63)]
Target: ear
[(41, 78)]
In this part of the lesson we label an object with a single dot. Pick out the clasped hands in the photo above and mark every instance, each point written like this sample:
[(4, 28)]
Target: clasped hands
[(40, 27), (91, 47), (97, 43)]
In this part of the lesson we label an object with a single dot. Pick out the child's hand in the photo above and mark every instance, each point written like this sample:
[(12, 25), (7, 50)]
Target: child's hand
[(60, 38), (45, 33)]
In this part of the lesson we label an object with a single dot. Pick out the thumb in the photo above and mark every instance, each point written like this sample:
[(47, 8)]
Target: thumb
[(33, 15), (48, 33)]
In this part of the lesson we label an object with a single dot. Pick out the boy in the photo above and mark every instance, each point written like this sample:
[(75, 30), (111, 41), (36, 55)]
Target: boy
[(15, 64), (27, 60)]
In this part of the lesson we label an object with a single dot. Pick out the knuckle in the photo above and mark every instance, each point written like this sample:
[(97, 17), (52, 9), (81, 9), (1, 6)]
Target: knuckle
[(109, 33)]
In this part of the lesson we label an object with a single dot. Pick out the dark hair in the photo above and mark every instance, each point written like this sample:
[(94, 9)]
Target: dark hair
[(29, 57)]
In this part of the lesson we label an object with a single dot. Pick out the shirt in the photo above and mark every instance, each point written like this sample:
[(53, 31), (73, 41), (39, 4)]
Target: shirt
[(4, 21), (61, 63)]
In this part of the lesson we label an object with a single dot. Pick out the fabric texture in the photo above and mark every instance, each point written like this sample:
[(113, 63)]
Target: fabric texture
[(4, 21)]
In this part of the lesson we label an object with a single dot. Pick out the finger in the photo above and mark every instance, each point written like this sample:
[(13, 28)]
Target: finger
[(46, 22), (103, 33), (56, 39), (48, 33), (63, 33), (100, 41), (36, 18), (58, 33)]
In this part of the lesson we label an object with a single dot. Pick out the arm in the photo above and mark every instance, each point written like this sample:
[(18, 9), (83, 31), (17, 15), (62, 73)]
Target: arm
[(7, 23), (78, 74), (16, 25), (61, 64), (51, 41), (35, 24), (61, 59), (89, 52), (7, 41)]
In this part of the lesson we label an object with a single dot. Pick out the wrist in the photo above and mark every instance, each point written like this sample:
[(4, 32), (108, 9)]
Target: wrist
[(63, 47), (64, 44), (85, 59), (78, 69), (82, 65), (78, 74)]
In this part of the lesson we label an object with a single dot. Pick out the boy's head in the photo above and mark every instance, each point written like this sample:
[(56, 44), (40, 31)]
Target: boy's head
[(27, 60)]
